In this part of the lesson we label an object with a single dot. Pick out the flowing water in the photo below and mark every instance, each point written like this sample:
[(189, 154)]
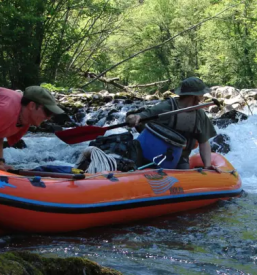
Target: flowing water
[(221, 239)]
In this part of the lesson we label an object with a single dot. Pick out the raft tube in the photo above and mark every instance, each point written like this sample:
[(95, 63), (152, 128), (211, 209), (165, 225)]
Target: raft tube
[(39, 204)]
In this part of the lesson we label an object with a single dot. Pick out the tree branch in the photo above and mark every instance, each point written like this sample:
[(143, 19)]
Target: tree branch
[(120, 86), (149, 84), (158, 45)]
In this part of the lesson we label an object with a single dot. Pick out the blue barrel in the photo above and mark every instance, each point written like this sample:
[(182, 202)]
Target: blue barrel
[(157, 139)]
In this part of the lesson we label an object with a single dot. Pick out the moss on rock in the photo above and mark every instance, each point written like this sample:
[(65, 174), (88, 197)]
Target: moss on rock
[(27, 263)]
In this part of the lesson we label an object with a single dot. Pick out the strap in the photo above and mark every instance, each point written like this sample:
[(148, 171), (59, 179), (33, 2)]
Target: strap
[(174, 107), (192, 138)]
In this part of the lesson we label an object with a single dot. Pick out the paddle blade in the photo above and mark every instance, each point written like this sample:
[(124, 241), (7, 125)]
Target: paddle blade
[(80, 134)]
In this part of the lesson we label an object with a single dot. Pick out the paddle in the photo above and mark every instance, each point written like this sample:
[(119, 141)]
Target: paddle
[(85, 133), (30, 173)]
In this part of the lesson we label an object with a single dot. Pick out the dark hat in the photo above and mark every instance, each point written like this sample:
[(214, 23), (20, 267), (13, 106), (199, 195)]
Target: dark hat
[(43, 97), (192, 86)]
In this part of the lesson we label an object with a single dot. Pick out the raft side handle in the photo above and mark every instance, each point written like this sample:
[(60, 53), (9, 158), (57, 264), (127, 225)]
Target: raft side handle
[(111, 177), (36, 181)]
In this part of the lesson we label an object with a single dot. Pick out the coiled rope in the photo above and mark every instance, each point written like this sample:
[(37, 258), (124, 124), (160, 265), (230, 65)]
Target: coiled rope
[(99, 160)]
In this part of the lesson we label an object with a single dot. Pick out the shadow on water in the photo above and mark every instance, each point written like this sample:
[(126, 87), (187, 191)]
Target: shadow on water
[(220, 239)]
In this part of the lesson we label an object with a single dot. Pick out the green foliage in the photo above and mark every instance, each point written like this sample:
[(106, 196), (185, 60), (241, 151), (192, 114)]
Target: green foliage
[(53, 88), (60, 41), (20, 33)]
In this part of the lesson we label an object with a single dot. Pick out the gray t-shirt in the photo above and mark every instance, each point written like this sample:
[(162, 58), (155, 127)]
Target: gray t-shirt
[(204, 127)]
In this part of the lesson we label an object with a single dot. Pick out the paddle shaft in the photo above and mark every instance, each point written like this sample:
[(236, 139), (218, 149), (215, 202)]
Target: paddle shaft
[(47, 174), (89, 132), (187, 109)]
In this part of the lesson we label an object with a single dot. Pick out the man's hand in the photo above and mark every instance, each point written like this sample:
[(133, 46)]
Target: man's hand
[(5, 167), (213, 167), (133, 120)]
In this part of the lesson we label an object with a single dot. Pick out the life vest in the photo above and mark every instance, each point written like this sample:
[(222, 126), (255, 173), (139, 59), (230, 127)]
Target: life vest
[(185, 124)]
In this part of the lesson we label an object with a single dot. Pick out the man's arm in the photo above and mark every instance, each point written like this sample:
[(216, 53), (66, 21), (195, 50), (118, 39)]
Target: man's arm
[(162, 107), (1, 147), (205, 152), (3, 166)]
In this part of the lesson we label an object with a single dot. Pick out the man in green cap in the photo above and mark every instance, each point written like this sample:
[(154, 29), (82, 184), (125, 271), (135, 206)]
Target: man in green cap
[(194, 125), (19, 112)]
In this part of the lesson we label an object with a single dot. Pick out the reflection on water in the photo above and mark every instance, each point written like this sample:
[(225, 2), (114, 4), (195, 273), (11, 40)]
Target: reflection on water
[(217, 240)]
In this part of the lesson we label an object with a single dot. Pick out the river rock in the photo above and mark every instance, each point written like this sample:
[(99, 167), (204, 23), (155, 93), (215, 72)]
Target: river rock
[(61, 119), (108, 98), (49, 127), (79, 116), (234, 102), (246, 93), (92, 121), (128, 101), (213, 109), (19, 145), (228, 118), (220, 144), (224, 92), (168, 94), (78, 103), (235, 115), (26, 263), (122, 95)]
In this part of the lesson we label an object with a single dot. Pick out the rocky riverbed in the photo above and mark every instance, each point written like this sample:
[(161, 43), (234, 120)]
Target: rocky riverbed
[(105, 108)]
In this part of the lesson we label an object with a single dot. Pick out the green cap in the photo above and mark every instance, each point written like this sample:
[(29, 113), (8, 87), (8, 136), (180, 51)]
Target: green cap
[(192, 86), (43, 97)]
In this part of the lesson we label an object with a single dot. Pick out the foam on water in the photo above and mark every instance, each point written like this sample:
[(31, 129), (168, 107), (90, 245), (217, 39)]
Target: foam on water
[(42, 151), (243, 154)]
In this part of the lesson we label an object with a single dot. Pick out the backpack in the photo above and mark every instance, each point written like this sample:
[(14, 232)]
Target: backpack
[(122, 145)]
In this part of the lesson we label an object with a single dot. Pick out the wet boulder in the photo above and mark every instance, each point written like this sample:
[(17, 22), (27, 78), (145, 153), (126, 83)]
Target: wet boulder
[(69, 124), (49, 127), (112, 115), (122, 95), (213, 109), (92, 121), (19, 145), (168, 94), (224, 92), (21, 263), (220, 144), (128, 101), (246, 93), (79, 116), (61, 119), (228, 118), (234, 115), (107, 98), (236, 102), (151, 97)]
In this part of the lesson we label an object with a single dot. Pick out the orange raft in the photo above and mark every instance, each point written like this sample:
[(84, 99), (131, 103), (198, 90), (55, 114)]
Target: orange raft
[(59, 205)]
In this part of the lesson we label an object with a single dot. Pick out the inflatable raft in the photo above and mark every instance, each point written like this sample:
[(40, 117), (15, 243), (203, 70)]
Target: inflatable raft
[(39, 204)]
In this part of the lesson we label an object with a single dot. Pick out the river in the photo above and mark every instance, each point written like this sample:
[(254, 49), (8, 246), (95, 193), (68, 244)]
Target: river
[(221, 239)]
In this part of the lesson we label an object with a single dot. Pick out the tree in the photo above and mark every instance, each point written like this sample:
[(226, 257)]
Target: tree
[(21, 36)]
